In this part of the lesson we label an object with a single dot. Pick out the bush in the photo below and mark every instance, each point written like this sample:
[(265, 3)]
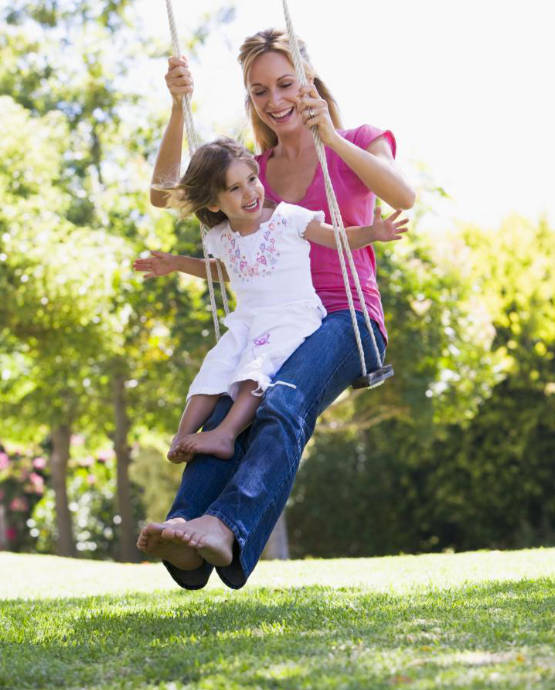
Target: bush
[(91, 487), (22, 485), (488, 484)]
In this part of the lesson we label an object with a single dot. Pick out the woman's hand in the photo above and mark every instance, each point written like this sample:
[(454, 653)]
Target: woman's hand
[(315, 113), (157, 264), (388, 229), (179, 79)]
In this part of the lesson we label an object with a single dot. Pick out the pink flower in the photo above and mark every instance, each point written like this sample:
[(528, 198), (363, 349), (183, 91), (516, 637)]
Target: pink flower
[(39, 463), (11, 534), (4, 461), (38, 482), (86, 462), (19, 505), (91, 479), (105, 455)]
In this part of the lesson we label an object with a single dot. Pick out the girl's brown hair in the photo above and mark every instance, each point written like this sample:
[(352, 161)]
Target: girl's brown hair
[(278, 42), (205, 178)]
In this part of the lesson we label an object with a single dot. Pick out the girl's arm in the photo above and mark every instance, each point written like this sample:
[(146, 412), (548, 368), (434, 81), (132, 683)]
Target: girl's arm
[(375, 166), (382, 230), (162, 263), (167, 169)]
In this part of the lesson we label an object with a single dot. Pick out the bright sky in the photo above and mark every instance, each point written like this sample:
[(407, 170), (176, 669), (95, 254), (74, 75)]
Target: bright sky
[(465, 85)]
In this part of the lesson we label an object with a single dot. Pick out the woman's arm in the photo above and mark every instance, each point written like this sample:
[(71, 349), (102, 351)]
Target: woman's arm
[(375, 166), (161, 264), (167, 169), (382, 230)]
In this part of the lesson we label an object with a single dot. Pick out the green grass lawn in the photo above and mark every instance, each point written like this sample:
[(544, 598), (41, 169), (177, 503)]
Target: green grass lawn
[(471, 620)]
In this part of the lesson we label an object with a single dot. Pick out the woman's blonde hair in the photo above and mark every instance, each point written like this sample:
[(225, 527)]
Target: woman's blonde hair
[(274, 40), (205, 178)]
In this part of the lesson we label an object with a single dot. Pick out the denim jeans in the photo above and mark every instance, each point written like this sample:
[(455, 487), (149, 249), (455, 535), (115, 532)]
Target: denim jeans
[(249, 491)]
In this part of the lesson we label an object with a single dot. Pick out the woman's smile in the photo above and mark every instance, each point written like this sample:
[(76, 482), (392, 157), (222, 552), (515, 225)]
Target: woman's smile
[(281, 115)]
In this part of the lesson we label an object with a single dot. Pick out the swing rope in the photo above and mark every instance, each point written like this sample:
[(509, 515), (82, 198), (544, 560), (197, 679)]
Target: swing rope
[(192, 145), (340, 234)]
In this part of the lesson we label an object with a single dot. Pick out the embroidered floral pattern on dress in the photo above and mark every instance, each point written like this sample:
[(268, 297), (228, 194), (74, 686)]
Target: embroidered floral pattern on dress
[(262, 260), (263, 339)]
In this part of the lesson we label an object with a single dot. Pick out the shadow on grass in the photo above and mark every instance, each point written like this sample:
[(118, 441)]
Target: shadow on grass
[(310, 637)]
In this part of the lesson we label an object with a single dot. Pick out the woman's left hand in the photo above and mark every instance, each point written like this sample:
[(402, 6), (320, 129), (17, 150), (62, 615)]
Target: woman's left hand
[(315, 113)]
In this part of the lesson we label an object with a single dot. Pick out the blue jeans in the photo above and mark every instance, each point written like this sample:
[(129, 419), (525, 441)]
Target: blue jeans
[(249, 491)]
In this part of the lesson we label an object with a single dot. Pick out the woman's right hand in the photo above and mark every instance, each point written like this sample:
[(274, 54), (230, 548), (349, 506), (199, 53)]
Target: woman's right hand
[(157, 264), (179, 79)]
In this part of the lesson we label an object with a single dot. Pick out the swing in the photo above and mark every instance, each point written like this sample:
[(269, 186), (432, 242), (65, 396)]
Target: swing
[(371, 379)]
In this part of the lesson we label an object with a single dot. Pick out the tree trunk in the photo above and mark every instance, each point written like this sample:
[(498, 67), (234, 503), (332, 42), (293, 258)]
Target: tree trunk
[(61, 435), (3, 529), (127, 548), (278, 544)]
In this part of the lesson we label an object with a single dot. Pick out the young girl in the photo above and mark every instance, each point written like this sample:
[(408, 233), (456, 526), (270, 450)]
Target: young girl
[(265, 251)]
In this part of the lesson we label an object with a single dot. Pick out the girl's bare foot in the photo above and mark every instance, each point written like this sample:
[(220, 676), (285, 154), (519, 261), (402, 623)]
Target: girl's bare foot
[(175, 551), (177, 453), (210, 537), (215, 442)]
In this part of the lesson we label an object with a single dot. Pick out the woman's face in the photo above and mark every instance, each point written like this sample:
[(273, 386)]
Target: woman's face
[(273, 89)]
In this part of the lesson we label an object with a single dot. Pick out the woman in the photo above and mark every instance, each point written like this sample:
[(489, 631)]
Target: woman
[(225, 510)]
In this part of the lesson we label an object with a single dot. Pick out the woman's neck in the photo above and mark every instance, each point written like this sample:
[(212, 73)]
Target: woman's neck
[(294, 145)]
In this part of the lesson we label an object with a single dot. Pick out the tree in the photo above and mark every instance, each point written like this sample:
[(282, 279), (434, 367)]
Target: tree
[(112, 354)]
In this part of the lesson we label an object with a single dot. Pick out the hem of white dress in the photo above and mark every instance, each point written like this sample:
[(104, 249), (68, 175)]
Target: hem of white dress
[(205, 390)]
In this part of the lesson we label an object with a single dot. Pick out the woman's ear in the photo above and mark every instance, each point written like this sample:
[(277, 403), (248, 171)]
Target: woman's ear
[(214, 209)]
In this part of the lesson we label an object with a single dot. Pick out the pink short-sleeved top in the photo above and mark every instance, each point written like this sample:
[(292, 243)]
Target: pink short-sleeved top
[(356, 203)]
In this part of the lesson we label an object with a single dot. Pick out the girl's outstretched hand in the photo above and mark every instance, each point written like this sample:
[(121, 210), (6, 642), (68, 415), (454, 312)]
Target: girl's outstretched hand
[(156, 265), (388, 229), (179, 79)]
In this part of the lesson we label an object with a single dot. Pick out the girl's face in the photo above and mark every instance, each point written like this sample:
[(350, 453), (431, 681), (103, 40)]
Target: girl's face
[(243, 198), (273, 89)]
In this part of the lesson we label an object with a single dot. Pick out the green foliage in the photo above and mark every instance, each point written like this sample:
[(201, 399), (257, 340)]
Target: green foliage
[(51, 13), (491, 485), (75, 214), (456, 451)]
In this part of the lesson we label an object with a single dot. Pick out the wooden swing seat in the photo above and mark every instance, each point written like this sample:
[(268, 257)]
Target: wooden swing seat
[(374, 378)]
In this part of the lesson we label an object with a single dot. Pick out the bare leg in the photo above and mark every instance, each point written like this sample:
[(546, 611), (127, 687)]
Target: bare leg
[(152, 541), (209, 536), (221, 440), (197, 411)]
